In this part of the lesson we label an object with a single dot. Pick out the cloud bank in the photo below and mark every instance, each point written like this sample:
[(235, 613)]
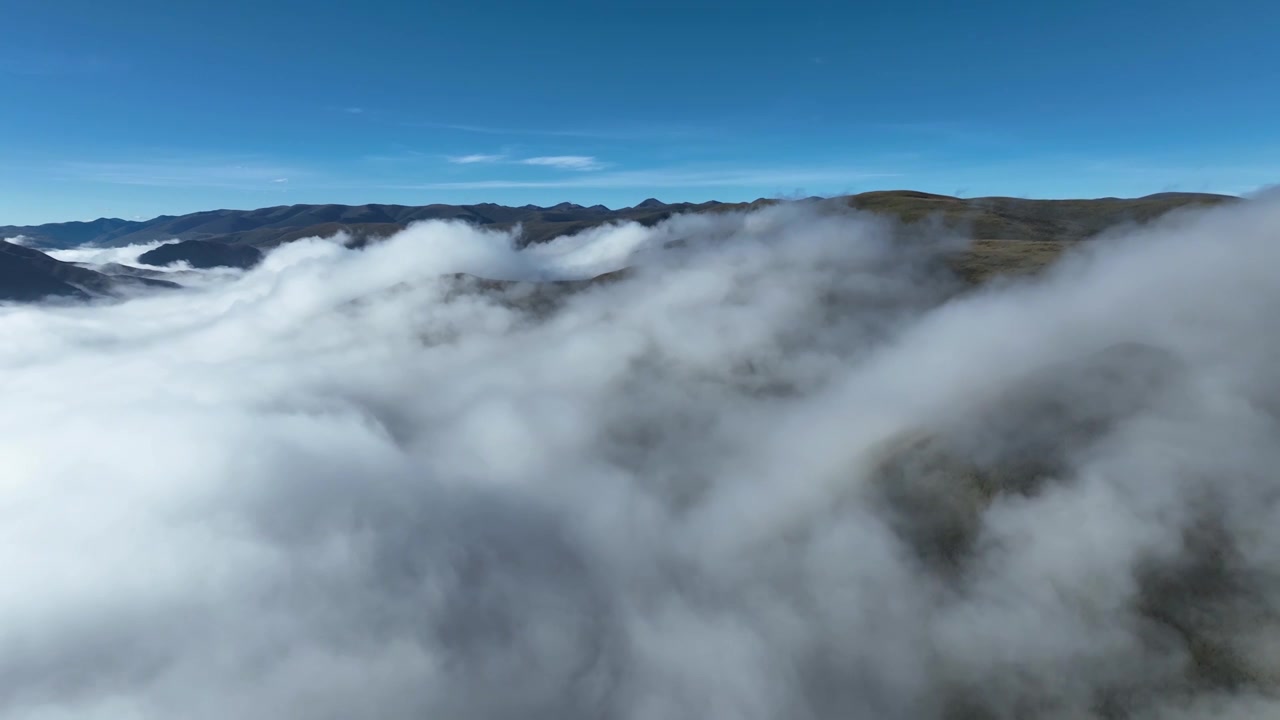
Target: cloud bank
[(777, 469), (127, 255)]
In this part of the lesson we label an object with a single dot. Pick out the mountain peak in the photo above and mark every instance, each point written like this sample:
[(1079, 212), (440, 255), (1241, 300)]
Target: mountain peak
[(652, 203)]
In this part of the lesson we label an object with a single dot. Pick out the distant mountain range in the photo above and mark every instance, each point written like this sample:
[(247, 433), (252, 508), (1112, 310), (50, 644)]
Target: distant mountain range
[(1014, 234), (272, 226), (988, 217)]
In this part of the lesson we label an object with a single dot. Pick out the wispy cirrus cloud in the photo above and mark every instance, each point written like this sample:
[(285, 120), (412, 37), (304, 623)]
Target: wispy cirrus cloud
[(565, 162), (183, 172), (476, 159), (645, 133), (560, 162), (673, 178)]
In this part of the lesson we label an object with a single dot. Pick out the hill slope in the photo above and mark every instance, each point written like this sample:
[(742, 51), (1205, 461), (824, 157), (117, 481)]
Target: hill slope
[(27, 275)]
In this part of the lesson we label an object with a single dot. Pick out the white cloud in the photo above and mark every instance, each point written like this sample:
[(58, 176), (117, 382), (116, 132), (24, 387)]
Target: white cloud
[(127, 255), (344, 484), (476, 159), (565, 162), (674, 178)]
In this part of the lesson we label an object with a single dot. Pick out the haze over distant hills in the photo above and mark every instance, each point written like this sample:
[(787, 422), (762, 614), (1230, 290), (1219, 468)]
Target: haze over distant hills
[(986, 217)]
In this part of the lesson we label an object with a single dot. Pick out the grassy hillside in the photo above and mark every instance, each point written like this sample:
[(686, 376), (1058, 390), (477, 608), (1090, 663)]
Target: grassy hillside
[(986, 259), (1020, 219)]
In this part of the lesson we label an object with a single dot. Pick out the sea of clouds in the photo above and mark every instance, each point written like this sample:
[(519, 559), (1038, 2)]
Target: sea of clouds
[(351, 484)]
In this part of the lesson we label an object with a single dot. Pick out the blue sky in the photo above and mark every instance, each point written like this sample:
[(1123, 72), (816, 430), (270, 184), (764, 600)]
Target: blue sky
[(135, 108)]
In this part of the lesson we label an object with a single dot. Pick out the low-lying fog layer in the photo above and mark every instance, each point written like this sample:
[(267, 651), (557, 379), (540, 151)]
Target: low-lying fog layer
[(777, 470)]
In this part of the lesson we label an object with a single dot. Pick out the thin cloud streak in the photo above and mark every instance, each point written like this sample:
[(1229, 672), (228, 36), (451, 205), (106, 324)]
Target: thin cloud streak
[(565, 162), (667, 179), (621, 134), (562, 162), (182, 173), (476, 159)]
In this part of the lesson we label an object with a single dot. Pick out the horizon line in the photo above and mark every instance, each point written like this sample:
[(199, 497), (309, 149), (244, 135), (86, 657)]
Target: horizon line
[(779, 198)]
